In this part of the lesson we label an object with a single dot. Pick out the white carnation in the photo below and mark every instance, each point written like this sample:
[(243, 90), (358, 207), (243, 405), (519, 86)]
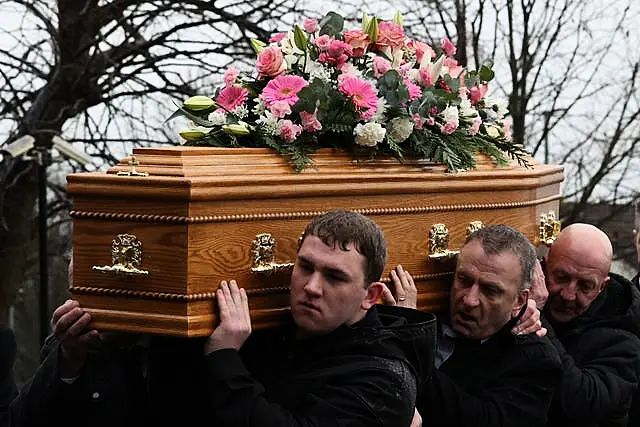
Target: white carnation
[(466, 109), (369, 134), (499, 105), (450, 114), (400, 128)]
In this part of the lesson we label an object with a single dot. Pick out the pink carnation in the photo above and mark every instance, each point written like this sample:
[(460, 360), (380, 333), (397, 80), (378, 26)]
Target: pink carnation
[(310, 25), (278, 37), (380, 66), (415, 91), (322, 42), (280, 109), (230, 76), (475, 127), (449, 127), (448, 48), (289, 131), (417, 120), (337, 53), (310, 122), (232, 97), (363, 95), (283, 88), (476, 93)]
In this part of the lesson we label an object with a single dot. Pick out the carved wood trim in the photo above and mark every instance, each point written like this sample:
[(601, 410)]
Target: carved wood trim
[(203, 296), (269, 216)]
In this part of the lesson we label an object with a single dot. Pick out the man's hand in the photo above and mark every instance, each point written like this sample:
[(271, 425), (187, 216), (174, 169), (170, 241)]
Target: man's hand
[(235, 321), (538, 290), (405, 289), (636, 244), (530, 321), (417, 419), (69, 324)]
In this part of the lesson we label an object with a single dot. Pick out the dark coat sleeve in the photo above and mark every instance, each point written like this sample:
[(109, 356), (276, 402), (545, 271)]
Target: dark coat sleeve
[(362, 399), (604, 381), (45, 396), (519, 397), (7, 383)]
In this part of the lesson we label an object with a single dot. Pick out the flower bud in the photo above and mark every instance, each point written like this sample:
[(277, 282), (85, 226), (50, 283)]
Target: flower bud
[(198, 103), (194, 134), (236, 129)]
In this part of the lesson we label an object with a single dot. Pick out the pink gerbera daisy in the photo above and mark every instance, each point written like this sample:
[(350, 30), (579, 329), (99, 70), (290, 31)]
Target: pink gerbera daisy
[(283, 88), (362, 93), (231, 97)]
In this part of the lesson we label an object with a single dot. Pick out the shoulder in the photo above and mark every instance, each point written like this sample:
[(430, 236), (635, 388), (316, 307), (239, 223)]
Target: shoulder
[(536, 351)]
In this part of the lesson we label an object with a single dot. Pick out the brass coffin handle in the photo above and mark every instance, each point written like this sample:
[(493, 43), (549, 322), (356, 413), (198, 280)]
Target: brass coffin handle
[(263, 249), (439, 244), (126, 257), (549, 228)]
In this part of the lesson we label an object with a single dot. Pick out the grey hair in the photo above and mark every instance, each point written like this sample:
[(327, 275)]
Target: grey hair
[(496, 239)]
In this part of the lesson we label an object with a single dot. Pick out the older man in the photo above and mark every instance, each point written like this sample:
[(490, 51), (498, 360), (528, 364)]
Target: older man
[(594, 322), (487, 375)]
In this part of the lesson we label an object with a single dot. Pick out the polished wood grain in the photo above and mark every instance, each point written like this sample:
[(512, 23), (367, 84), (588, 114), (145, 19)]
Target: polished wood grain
[(201, 208)]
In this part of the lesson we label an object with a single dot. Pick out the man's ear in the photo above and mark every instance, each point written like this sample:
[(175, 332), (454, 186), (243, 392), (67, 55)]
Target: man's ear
[(521, 300), (374, 292), (604, 284)]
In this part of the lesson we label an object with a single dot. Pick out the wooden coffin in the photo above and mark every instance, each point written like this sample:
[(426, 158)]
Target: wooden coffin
[(150, 251)]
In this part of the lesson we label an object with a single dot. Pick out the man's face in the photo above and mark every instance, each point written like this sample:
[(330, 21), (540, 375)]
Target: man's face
[(327, 287), (574, 280), (484, 293)]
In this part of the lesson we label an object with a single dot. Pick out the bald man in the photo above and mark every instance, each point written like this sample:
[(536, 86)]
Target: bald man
[(593, 319)]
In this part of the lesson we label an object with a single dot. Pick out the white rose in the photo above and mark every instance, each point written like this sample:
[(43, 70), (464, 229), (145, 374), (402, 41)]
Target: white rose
[(369, 134), (400, 128), (492, 131)]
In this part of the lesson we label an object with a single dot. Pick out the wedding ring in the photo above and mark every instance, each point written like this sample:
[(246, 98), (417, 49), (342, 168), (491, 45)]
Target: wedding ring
[(402, 298)]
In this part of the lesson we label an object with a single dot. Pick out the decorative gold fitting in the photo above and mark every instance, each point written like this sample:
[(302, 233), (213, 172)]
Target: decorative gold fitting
[(133, 162), (474, 226), (126, 257), (263, 249), (549, 228), (439, 244)]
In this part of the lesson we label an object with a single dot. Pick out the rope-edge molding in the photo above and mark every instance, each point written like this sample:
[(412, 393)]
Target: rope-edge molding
[(177, 219), (167, 296), (203, 296)]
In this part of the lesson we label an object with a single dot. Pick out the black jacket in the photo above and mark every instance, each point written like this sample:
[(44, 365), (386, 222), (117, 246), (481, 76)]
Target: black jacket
[(7, 382), (506, 381), (363, 375), (600, 352), (112, 389)]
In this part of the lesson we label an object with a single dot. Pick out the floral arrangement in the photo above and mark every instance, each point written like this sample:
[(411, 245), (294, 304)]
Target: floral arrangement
[(370, 91)]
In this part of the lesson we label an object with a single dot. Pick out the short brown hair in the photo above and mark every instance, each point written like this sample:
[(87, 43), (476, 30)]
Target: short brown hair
[(342, 227)]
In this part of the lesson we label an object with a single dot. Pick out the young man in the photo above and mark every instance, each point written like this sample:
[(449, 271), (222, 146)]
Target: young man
[(594, 322), (485, 374), (340, 360)]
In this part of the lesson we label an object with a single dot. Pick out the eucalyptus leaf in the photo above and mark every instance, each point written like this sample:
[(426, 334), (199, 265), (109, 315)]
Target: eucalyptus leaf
[(332, 24)]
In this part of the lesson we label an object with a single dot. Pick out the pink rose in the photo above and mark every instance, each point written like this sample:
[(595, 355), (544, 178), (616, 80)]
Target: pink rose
[(448, 48), (506, 128), (310, 25), (430, 121), (420, 49), (337, 54), (310, 122), (278, 37), (380, 66), (425, 76), (230, 76), (358, 40), (279, 109), (271, 62), (322, 42), (289, 131), (390, 35)]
